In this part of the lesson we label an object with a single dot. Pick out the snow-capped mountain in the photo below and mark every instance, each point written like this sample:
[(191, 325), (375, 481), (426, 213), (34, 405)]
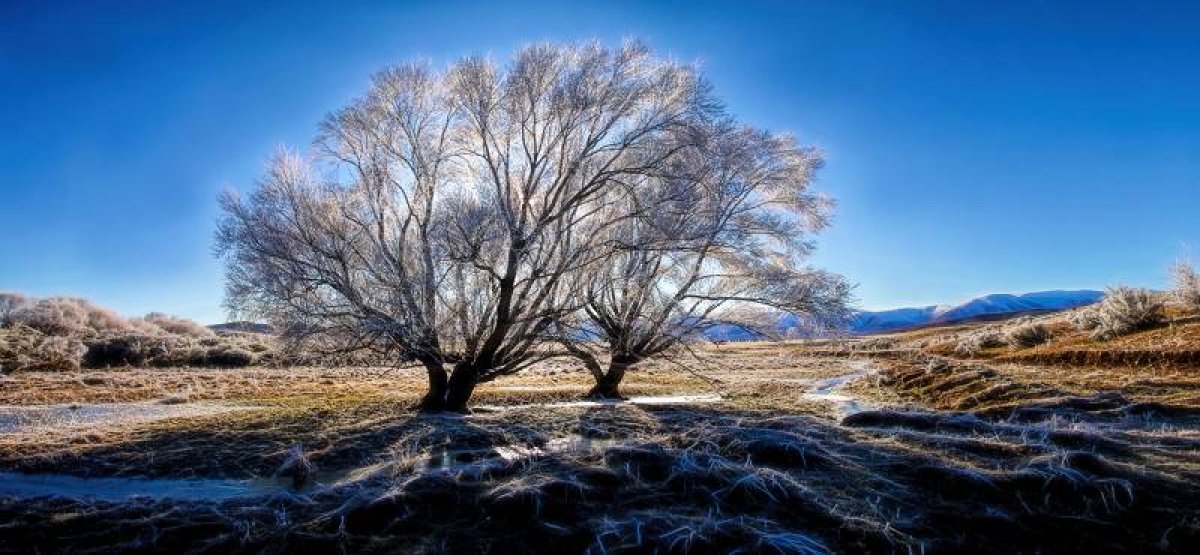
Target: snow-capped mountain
[(866, 322), (1000, 303)]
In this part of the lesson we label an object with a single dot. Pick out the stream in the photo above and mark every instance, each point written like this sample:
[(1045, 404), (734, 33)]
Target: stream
[(830, 389)]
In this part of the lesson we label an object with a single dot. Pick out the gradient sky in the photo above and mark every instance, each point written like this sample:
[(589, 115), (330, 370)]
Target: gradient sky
[(973, 147)]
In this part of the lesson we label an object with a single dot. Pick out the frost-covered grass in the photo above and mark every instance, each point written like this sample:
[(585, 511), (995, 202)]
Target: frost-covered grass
[(1134, 331), (1052, 453)]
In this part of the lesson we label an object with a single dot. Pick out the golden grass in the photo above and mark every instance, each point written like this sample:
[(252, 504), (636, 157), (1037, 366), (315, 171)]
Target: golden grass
[(764, 466)]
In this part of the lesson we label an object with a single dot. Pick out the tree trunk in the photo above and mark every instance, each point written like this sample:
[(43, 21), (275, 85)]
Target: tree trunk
[(435, 398), (460, 387), (607, 385)]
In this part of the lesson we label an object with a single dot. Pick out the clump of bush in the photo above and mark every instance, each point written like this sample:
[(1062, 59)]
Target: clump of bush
[(1029, 335), (64, 317), (1187, 286), (1122, 311), (23, 348), (177, 326), (10, 302), (977, 342), (64, 333), (164, 351), (1085, 319)]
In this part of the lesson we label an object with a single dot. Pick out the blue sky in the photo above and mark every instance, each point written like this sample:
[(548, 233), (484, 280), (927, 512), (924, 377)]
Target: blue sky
[(973, 147)]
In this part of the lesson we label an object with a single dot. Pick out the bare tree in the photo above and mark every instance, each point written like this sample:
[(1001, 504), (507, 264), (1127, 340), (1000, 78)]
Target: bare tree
[(447, 216), (718, 240)]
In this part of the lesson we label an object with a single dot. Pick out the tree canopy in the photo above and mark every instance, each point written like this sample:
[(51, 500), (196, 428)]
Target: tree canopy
[(468, 218)]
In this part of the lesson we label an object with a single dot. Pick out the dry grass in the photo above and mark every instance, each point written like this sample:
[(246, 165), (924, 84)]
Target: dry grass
[(675, 480), (549, 382), (1046, 460), (1175, 344)]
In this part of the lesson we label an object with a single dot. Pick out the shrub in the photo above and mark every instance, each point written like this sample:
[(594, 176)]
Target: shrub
[(60, 333), (176, 325), (10, 302), (60, 353), (67, 317), (23, 348), (1085, 319), (1187, 286), (57, 316), (1125, 310), (228, 356), (976, 342), (1029, 335), (164, 351), (128, 350)]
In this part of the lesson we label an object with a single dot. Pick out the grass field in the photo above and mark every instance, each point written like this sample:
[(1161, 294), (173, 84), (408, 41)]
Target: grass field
[(882, 444)]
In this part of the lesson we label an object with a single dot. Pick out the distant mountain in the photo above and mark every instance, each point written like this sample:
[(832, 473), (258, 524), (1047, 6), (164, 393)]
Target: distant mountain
[(982, 308), (978, 308), (867, 322)]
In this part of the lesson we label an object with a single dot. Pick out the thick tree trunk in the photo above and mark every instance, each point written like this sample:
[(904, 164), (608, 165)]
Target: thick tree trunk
[(448, 392), (435, 398), (608, 384), (460, 387)]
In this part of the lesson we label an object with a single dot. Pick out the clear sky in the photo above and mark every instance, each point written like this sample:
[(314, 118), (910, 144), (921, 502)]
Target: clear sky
[(973, 147)]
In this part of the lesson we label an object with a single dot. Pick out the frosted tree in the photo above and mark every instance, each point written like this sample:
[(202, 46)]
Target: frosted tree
[(446, 217), (717, 240)]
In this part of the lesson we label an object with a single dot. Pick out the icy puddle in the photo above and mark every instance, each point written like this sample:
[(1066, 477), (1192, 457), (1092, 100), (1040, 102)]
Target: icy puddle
[(117, 489), (19, 484), (24, 418), (830, 390)]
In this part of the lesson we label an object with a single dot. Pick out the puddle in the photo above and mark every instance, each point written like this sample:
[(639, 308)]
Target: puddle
[(646, 400), (830, 390), (19, 484), (23, 485), (20, 418)]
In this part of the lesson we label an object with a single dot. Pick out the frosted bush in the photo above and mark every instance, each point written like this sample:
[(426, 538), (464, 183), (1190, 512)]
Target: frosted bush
[(60, 353), (975, 343), (1187, 286), (1029, 335), (176, 325), (1085, 319), (10, 302), (63, 333), (24, 348), (1125, 310), (68, 317)]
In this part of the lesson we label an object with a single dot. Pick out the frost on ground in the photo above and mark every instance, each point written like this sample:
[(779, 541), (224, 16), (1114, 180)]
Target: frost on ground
[(49, 418), (938, 457)]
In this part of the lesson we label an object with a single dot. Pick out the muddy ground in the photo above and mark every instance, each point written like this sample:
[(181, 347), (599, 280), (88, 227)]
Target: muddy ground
[(757, 448)]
